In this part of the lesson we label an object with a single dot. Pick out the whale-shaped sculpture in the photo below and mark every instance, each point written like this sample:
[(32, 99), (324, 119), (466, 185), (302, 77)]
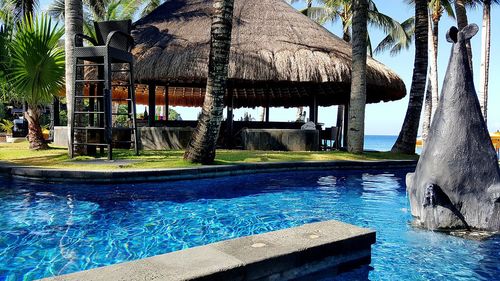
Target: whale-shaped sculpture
[(456, 184)]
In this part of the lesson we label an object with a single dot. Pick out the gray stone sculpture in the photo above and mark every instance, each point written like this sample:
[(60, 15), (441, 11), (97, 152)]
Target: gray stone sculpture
[(456, 184)]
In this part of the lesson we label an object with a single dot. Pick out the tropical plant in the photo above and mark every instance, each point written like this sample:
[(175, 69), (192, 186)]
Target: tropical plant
[(201, 147), (341, 10), (36, 70), (6, 32), (408, 135), (485, 57), (19, 8), (73, 24), (99, 10), (2, 110), (436, 10), (173, 115), (7, 126), (357, 103)]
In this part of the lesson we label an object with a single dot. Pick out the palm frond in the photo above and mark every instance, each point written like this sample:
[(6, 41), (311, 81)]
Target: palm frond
[(150, 6), (56, 9), (37, 60), (393, 44)]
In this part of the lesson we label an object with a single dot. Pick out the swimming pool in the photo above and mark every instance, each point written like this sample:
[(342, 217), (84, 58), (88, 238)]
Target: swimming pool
[(48, 230)]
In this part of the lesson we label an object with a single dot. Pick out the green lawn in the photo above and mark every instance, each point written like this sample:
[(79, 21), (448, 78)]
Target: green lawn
[(57, 157)]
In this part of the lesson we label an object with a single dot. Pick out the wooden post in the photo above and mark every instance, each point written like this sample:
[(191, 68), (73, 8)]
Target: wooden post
[(55, 111), (152, 104), (313, 110), (54, 117), (165, 108), (346, 125), (267, 108), (229, 123), (315, 104)]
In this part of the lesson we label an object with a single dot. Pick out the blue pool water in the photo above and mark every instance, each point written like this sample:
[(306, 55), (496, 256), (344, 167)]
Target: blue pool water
[(47, 230)]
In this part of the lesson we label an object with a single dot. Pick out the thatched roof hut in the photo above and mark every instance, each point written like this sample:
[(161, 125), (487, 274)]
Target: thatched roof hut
[(279, 57)]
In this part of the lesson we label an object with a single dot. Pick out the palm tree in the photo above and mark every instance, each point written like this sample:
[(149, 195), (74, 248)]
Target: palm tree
[(408, 135), (335, 10), (436, 10), (485, 57), (73, 22), (36, 70), (21, 8), (356, 129), (6, 31), (201, 147)]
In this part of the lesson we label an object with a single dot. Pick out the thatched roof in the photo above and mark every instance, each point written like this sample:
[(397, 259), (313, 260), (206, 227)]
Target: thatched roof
[(276, 52)]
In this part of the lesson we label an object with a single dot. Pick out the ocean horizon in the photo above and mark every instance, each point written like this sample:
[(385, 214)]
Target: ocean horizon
[(379, 142)]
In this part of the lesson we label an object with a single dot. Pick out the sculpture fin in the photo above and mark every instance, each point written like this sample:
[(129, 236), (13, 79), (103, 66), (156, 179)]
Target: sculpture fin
[(494, 191), (452, 35), (469, 31)]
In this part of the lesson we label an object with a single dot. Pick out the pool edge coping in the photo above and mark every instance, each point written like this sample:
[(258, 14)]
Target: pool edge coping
[(278, 255), (175, 174)]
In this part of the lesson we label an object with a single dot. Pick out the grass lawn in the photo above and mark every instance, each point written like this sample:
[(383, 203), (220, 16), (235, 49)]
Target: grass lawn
[(56, 157)]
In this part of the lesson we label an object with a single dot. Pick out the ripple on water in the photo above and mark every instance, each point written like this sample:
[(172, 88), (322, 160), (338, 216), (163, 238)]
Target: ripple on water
[(47, 230)]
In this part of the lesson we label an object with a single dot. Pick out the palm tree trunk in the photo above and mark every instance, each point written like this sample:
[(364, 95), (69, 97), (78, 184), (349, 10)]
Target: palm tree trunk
[(341, 108), (432, 92), (35, 135), (201, 148), (428, 108), (73, 22), (434, 64), (462, 21), (408, 135), (485, 59), (356, 126)]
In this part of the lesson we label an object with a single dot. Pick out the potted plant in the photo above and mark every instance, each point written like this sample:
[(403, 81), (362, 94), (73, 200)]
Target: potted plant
[(7, 126)]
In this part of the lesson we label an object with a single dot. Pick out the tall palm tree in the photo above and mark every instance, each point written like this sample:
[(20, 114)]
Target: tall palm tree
[(201, 147), (485, 57), (356, 129), (22, 8), (342, 10), (6, 32), (408, 135), (436, 11), (36, 70), (73, 22)]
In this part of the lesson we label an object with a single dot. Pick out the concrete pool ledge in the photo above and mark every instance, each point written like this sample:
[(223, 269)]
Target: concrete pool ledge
[(142, 175), (303, 251)]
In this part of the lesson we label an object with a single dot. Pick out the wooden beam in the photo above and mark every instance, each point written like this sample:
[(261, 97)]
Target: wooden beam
[(346, 123), (55, 111), (313, 110), (266, 108), (166, 103), (152, 104), (229, 120)]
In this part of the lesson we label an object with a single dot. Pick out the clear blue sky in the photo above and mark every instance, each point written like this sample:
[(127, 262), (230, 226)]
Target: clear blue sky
[(386, 118)]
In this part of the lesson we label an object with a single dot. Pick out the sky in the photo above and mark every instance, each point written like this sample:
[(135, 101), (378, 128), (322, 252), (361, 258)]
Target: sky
[(387, 118)]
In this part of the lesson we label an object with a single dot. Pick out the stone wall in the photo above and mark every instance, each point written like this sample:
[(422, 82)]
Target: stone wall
[(174, 138), (161, 138), (281, 140)]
